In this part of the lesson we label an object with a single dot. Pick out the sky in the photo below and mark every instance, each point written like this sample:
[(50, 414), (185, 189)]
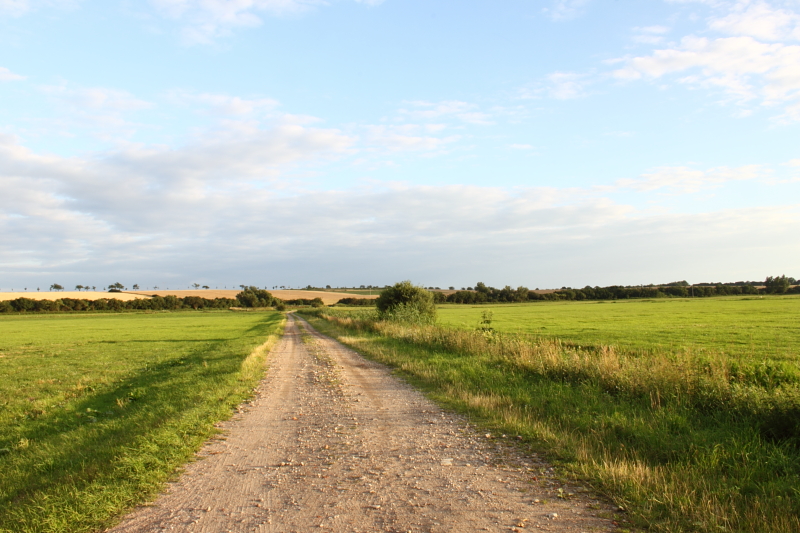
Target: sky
[(543, 143)]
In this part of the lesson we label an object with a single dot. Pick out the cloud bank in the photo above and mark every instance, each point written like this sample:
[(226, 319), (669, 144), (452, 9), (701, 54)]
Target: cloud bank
[(196, 214)]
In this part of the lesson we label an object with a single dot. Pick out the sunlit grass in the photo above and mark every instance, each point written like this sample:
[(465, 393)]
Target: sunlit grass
[(99, 411), (687, 439), (752, 326)]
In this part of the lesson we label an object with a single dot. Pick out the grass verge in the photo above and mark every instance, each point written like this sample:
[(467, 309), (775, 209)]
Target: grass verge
[(98, 412), (677, 442)]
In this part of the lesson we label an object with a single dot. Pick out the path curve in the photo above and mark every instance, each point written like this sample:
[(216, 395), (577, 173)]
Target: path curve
[(333, 442)]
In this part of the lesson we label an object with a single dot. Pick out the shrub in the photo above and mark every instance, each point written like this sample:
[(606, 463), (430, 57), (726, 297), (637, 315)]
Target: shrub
[(356, 302), (255, 297), (405, 302)]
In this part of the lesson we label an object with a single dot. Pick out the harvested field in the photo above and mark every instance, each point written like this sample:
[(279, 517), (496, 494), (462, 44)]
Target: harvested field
[(78, 295), (293, 294), (327, 297), (209, 294)]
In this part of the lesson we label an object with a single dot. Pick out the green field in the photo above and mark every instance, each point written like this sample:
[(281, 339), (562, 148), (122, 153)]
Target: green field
[(763, 328), (98, 411), (685, 412)]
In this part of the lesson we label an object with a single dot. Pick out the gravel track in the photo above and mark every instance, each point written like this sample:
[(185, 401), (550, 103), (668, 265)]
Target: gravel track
[(333, 442)]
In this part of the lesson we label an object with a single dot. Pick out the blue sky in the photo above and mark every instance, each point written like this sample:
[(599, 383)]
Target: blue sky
[(288, 142)]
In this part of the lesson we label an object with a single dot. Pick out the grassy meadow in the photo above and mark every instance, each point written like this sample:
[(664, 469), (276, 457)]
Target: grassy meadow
[(98, 411), (749, 327), (687, 413)]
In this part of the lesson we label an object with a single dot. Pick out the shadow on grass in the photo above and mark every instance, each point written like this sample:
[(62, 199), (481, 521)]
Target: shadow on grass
[(108, 449)]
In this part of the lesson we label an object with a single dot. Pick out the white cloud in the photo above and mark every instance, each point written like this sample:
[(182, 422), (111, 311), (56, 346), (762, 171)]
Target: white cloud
[(7, 75), (756, 63), (97, 98), (222, 104), (759, 20), (102, 112), (225, 212), (206, 20), (405, 137), (463, 111), (650, 34), (688, 180), (742, 67), (566, 85), (163, 216), (561, 86)]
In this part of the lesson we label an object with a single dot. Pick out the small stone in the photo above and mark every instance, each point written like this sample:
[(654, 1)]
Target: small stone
[(552, 516)]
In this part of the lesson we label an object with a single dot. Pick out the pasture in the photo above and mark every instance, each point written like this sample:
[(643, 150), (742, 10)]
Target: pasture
[(98, 411), (747, 327)]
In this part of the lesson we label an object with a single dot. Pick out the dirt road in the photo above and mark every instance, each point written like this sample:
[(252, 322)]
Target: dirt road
[(333, 442)]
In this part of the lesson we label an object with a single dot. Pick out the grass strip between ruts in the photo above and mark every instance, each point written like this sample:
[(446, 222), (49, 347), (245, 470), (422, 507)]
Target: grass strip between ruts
[(675, 466), (100, 411)]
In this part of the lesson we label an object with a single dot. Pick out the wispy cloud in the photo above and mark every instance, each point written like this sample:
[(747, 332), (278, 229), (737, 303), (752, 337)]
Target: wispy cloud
[(566, 9), (688, 180), (16, 8), (7, 75), (204, 21), (650, 34), (452, 109), (755, 62), (223, 104), (561, 86), (406, 137)]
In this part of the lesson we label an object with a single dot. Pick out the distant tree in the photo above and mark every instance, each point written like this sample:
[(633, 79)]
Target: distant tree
[(206, 287), (407, 302), (327, 286), (255, 297), (451, 288), (136, 286), (78, 288), (777, 284), (56, 287), (94, 288), (362, 287), (119, 286), (196, 286)]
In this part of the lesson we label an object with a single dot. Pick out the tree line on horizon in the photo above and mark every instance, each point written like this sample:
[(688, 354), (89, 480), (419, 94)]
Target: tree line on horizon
[(250, 297), (485, 294)]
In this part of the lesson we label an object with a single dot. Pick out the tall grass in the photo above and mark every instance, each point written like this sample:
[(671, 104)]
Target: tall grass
[(687, 442)]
